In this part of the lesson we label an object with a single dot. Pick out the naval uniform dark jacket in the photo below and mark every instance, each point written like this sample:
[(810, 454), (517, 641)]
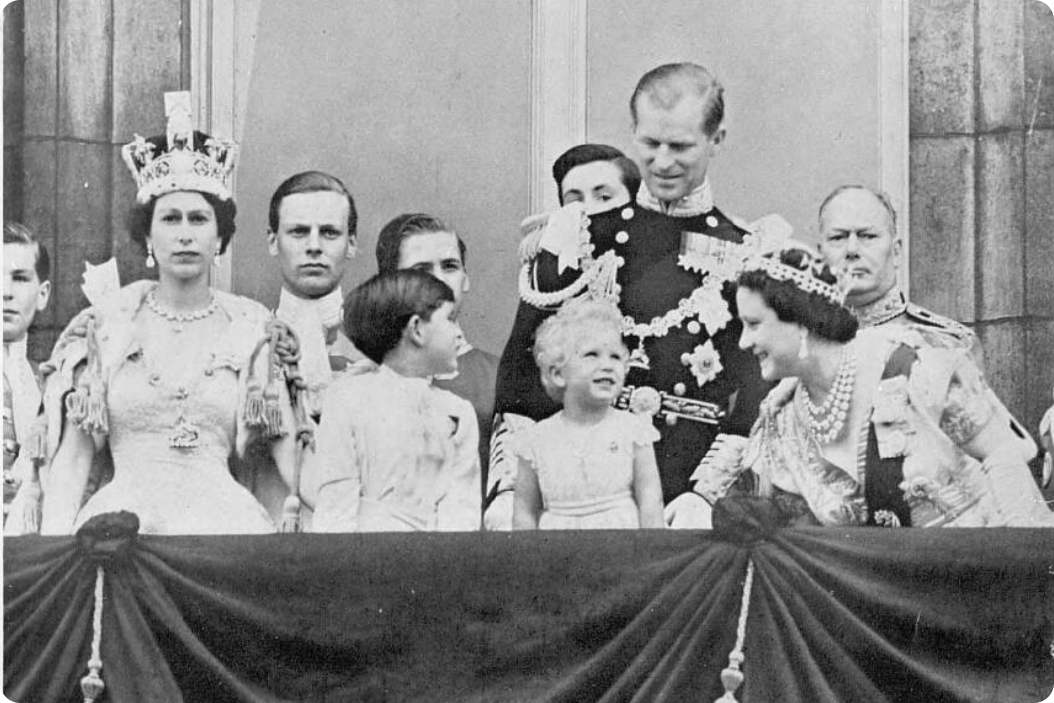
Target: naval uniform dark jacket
[(652, 284)]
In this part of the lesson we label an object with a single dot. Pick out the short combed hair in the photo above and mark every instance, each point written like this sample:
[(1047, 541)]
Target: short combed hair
[(312, 182), (18, 233), (390, 240), (377, 312), (812, 311), (588, 153), (881, 197), (142, 216), (559, 335), (668, 84)]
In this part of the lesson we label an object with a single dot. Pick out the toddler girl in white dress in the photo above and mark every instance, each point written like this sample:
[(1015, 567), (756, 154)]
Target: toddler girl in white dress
[(589, 466)]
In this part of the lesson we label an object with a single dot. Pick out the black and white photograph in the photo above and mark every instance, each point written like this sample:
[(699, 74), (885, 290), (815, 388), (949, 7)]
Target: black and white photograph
[(528, 350)]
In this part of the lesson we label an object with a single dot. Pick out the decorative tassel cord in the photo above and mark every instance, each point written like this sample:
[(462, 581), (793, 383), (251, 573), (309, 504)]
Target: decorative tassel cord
[(530, 294), (732, 677), (305, 427), (597, 275), (254, 402), (92, 685), (86, 405), (305, 442)]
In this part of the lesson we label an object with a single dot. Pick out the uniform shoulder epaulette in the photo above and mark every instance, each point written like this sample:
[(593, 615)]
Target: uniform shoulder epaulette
[(920, 315), (737, 222), (719, 224), (771, 231)]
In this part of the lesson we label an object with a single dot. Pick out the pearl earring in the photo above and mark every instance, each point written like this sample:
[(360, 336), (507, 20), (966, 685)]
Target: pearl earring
[(803, 347), (216, 258), (150, 262)]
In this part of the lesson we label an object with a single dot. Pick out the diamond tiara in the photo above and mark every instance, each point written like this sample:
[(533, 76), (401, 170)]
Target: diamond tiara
[(802, 279)]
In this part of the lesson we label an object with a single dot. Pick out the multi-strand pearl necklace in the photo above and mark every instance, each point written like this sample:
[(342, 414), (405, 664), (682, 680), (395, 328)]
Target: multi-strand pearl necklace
[(179, 319), (827, 420)]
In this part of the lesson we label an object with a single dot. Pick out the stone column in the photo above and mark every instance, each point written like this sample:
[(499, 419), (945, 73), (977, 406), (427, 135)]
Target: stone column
[(94, 73), (982, 183)]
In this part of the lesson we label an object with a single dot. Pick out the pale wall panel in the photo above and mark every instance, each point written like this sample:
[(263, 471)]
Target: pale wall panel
[(41, 67), (801, 91), (82, 220), (417, 106), (147, 43), (85, 63)]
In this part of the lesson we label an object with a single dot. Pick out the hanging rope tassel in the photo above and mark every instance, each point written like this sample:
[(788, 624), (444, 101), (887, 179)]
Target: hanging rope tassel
[(254, 400), (92, 685), (31, 497), (287, 350), (86, 405), (36, 446), (732, 677), (305, 442), (605, 285), (291, 514), (272, 409)]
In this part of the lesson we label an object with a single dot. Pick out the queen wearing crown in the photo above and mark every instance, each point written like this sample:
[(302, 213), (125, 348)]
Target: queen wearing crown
[(172, 376), (862, 429)]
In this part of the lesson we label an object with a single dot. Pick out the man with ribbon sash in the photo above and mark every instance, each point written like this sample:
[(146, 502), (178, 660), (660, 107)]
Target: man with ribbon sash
[(668, 260), (859, 241)]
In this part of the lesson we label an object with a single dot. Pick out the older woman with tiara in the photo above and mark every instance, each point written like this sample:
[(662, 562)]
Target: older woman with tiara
[(173, 375), (861, 429)]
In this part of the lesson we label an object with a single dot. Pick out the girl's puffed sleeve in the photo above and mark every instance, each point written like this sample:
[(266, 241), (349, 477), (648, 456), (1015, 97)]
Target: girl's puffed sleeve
[(641, 430), (521, 442)]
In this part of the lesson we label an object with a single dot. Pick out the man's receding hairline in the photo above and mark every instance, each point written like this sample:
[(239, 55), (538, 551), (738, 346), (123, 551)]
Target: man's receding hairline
[(878, 198)]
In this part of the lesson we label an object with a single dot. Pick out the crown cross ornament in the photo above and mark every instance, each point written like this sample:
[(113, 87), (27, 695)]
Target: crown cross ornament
[(183, 159)]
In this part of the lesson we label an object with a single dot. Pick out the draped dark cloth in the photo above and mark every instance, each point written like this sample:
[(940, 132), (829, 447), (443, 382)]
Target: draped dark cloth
[(852, 614)]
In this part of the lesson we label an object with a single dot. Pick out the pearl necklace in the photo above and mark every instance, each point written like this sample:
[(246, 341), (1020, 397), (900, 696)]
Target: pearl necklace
[(827, 420), (179, 318)]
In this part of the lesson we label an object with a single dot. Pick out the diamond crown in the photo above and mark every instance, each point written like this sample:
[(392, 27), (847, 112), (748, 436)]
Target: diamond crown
[(189, 160)]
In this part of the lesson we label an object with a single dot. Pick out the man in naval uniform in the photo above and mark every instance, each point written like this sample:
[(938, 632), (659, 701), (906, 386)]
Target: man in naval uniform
[(668, 260), (859, 240)]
